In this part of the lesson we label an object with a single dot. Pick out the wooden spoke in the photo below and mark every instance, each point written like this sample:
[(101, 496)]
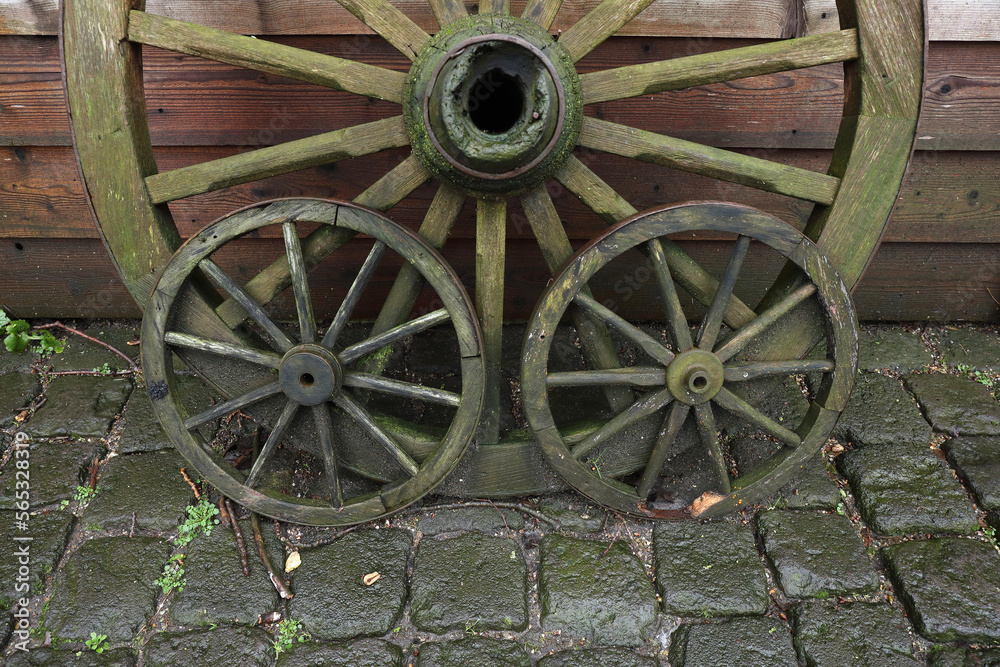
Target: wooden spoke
[(727, 65), (232, 405), (641, 409), (601, 198), (603, 21), (401, 388), (708, 161), (382, 195), (598, 349), (367, 422), (740, 407), (636, 376), (274, 160), (491, 231), (353, 295), (411, 328), (672, 303), (647, 343), (494, 7), (711, 325), (739, 340), (282, 341), (277, 433), (447, 11), (300, 284), (541, 12), (269, 359), (264, 56), (440, 218), (710, 435), (390, 23), (324, 429), (664, 443), (759, 369)]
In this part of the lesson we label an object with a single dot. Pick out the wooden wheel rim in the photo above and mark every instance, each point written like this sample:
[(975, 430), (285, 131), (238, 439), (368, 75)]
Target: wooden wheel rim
[(842, 341), (162, 388)]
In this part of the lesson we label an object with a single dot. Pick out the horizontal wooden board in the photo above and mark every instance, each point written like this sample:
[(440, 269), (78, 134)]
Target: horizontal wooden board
[(194, 102), (909, 281), (977, 20), (946, 195)]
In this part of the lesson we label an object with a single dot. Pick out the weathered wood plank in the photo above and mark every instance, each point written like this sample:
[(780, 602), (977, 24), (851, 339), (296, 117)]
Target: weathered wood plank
[(264, 56), (491, 244), (906, 281)]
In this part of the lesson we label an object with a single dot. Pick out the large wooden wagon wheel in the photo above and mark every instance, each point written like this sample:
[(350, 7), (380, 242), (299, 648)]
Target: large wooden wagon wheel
[(492, 107), (690, 377)]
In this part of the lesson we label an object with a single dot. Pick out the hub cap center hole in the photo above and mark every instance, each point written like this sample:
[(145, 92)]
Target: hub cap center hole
[(496, 101), (698, 382), (307, 380)]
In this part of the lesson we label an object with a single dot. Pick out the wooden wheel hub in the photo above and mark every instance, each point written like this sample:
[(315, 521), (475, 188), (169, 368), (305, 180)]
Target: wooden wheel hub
[(695, 377), (493, 112), (309, 374)]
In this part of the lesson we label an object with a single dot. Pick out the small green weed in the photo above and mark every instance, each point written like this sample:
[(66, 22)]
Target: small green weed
[(97, 642), (19, 336), (990, 532), (982, 377), (173, 575), (201, 519), (105, 369), (288, 634), (82, 496)]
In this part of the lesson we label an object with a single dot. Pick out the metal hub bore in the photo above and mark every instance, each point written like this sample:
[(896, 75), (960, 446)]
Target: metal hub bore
[(309, 374), (695, 377), (493, 105)]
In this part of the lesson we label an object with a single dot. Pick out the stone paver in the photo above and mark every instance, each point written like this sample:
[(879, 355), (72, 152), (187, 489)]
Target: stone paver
[(881, 412), (49, 533), (478, 651), (473, 581), (211, 568), (950, 587), (710, 569), (812, 488), (364, 653), (142, 431), (482, 519), (980, 350), (221, 647), (56, 469), (49, 657), (905, 489), (953, 656), (742, 641), (816, 554), (81, 354), (107, 587), (147, 486), (80, 406), (21, 361), (17, 390), (894, 350), (331, 599), (956, 405), (575, 517), (976, 459), (596, 590), (596, 657), (853, 634)]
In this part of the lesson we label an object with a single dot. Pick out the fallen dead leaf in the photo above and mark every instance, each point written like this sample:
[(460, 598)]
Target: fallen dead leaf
[(293, 561), (371, 578), (703, 502)]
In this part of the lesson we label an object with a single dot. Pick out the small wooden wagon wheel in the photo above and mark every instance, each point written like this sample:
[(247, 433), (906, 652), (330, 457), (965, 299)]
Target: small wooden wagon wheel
[(493, 108), (689, 376), (317, 381)]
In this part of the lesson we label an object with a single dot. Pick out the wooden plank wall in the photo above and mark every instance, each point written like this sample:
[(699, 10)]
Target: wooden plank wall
[(940, 259)]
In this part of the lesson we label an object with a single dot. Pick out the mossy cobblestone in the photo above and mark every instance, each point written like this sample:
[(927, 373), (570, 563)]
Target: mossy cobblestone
[(79, 406), (17, 390), (956, 405), (479, 651), (895, 350), (596, 657), (363, 653), (741, 641), (976, 459), (881, 412), (219, 647), (56, 469), (853, 634)]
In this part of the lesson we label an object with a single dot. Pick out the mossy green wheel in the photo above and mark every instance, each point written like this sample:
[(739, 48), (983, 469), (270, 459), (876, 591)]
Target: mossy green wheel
[(677, 376), (317, 386)]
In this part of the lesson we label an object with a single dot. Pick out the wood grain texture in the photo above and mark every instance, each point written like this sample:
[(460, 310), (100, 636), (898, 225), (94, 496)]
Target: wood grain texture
[(948, 20)]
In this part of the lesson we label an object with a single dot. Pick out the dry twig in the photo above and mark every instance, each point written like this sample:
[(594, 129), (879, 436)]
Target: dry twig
[(279, 583), (194, 487)]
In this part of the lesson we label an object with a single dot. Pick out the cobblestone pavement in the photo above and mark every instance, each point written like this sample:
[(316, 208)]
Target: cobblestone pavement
[(882, 554)]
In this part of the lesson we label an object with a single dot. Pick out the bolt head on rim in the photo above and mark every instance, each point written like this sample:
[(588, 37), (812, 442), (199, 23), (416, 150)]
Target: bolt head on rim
[(493, 105), (695, 377), (310, 374)]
